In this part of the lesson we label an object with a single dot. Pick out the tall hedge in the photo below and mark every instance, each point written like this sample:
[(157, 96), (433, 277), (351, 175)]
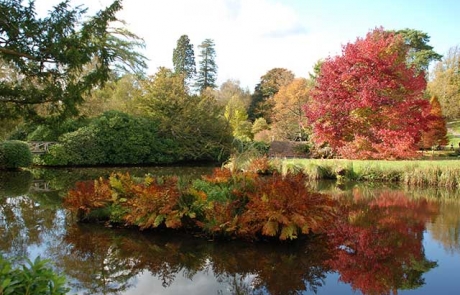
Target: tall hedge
[(113, 138), (14, 154)]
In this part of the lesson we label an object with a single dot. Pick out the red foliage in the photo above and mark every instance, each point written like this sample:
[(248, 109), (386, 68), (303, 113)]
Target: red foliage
[(87, 196), (147, 204), (218, 176), (154, 204), (284, 207), (367, 102), (437, 129)]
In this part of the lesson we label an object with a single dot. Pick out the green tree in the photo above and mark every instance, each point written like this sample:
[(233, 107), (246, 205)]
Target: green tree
[(120, 95), (194, 123), (61, 57), (261, 102), (419, 53), (445, 83), (235, 113), (8, 74), (260, 124), (164, 96), (207, 73), (316, 70), (184, 59)]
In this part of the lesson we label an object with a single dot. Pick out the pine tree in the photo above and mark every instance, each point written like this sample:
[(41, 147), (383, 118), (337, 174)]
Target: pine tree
[(207, 74), (184, 59)]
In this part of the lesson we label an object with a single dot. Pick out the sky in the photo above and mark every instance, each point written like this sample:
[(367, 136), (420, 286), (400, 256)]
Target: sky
[(254, 36)]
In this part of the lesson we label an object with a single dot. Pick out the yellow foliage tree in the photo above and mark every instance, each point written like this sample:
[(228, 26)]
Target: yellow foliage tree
[(289, 121)]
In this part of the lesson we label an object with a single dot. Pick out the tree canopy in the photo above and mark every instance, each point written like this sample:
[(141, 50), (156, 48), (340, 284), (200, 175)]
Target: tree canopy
[(59, 58), (194, 123), (270, 83), (367, 102), (288, 114)]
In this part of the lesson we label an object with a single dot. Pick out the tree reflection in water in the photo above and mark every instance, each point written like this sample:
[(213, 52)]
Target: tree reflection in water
[(446, 227), (114, 256), (375, 246), (27, 219), (379, 242)]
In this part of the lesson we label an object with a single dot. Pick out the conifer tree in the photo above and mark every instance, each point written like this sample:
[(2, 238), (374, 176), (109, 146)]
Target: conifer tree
[(61, 57), (184, 59), (207, 74)]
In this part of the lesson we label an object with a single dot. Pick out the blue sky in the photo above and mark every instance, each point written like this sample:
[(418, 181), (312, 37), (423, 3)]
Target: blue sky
[(254, 36)]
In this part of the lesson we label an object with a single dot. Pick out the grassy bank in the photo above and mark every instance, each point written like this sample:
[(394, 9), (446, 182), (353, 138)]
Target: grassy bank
[(439, 173)]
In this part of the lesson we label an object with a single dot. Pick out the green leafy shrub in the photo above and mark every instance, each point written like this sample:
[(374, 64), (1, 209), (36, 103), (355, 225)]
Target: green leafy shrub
[(34, 278), (14, 154), (113, 138)]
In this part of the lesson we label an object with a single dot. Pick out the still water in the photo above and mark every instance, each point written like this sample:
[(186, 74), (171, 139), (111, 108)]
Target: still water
[(392, 240)]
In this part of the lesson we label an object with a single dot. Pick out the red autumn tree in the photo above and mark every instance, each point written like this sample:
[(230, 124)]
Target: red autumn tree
[(367, 103), (437, 129)]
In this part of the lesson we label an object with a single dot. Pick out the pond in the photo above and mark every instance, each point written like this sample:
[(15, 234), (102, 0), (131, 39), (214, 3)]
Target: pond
[(393, 240)]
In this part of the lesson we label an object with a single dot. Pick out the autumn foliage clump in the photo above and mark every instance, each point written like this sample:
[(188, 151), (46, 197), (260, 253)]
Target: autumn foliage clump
[(282, 206), (146, 203), (224, 204), (436, 134), (368, 103)]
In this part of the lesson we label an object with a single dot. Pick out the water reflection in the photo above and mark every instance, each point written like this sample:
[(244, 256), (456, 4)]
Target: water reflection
[(379, 241), (446, 226), (107, 260), (376, 246)]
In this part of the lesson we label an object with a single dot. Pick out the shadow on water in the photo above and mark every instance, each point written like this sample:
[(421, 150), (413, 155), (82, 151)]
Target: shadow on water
[(375, 246)]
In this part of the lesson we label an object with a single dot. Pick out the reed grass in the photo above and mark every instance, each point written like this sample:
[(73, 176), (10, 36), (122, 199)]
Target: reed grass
[(437, 173)]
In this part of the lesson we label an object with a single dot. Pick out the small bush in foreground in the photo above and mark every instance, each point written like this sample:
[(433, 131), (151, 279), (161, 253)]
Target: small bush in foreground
[(35, 278)]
